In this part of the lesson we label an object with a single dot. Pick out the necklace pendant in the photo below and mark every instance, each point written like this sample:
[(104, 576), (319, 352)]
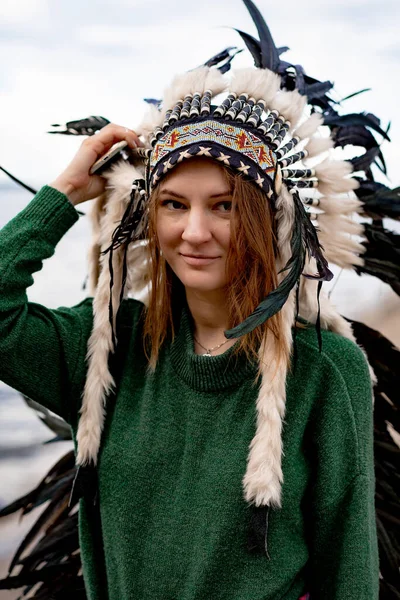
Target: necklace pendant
[(206, 354)]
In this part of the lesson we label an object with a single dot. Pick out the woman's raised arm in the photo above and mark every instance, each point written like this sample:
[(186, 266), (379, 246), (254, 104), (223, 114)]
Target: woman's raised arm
[(41, 349)]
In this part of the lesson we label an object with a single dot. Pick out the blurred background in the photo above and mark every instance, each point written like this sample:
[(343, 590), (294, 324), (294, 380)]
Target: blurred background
[(63, 61)]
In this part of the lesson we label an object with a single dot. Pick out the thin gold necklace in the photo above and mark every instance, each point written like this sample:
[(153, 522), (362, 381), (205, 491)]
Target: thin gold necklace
[(209, 350)]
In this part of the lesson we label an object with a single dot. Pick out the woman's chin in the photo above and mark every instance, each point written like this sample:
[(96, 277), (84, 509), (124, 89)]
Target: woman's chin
[(203, 285)]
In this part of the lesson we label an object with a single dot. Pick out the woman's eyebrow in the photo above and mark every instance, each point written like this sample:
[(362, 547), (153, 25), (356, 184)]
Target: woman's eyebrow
[(171, 193)]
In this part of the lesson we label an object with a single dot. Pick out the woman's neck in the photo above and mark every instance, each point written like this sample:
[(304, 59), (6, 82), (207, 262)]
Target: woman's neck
[(210, 316)]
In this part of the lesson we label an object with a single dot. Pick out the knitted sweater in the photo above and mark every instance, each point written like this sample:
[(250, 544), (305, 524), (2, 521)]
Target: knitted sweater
[(172, 522)]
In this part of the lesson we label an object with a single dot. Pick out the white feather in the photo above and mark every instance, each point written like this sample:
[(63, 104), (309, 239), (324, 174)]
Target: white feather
[(290, 105), (340, 186), (340, 204), (318, 145), (309, 127), (260, 84), (152, 119), (198, 80)]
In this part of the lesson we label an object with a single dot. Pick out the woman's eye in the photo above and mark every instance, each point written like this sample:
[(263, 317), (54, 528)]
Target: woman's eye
[(224, 206), (172, 204)]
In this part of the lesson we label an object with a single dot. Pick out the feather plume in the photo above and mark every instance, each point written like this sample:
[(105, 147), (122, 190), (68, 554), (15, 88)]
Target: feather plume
[(383, 203), (253, 45), (309, 127), (261, 84), (333, 205), (382, 255), (152, 119), (289, 104), (318, 145), (87, 126), (340, 186), (355, 119), (184, 84), (269, 53), (330, 171)]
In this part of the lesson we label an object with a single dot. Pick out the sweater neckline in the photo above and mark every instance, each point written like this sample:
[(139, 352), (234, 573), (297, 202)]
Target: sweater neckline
[(206, 373)]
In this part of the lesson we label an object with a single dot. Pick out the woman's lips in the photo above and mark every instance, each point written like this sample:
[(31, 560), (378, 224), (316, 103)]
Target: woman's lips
[(198, 260)]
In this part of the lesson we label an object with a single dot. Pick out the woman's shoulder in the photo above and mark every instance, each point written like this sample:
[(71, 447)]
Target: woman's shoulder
[(129, 312), (335, 371), (334, 350)]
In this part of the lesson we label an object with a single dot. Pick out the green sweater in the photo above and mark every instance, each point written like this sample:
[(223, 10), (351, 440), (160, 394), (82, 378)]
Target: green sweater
[(173, 523)]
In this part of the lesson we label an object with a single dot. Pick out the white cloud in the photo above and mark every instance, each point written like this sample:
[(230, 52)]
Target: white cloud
[(22, 11)]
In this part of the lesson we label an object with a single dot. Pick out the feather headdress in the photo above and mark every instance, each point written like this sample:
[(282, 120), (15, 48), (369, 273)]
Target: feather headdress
[(271, 127)]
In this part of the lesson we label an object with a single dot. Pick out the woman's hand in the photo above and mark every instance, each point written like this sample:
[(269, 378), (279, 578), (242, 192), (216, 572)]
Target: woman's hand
[(76, 182)]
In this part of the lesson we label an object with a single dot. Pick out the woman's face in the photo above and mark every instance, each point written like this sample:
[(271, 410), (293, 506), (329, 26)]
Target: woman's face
[(193, 223)]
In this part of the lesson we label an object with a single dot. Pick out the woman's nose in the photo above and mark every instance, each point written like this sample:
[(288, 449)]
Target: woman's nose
[(197, 227)]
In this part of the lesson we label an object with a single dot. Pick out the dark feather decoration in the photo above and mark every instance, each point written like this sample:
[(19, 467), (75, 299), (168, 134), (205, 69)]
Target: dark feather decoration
[(223, 58), (87, 126), (363, 119), (357, 135), (384, 358), (383, 203), (153, 102), (253, 46), (226, 66), (382, 255), (354, 94), (304, 240), (364, 162), (16, 180), (269, 52), (317, 90)]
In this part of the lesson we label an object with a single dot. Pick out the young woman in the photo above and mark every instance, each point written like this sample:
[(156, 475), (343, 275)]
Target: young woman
[(167, 517)]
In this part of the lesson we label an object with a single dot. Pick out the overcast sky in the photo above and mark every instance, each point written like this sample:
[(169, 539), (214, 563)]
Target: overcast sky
[(67, 60), (63, 60)]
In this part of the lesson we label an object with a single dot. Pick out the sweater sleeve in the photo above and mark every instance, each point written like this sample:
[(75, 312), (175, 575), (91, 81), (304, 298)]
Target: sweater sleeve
[(40, 348), (343, 537)]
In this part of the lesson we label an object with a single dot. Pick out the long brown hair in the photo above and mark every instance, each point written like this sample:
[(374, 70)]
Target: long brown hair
[(251, 272)]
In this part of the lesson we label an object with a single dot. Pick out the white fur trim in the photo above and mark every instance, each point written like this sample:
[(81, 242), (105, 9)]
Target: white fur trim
[(263, 479), (99, 382)]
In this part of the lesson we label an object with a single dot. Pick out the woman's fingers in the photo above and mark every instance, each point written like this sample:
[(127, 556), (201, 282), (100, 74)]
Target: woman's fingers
[(76, 181)]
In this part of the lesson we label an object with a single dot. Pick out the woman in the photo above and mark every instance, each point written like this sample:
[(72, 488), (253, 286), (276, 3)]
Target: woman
[(172, 520), (224, 443)]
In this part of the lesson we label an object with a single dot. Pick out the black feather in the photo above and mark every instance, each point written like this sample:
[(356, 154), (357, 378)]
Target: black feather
[(356, 135), (217, 59), (253, 46), (225, 67), (317, 90), (16, 180), (283, 49), (87, 126), (363, 119), (355, 94), (384, 203), (153, 102), (382, 255), (269, 52), (364, 162)]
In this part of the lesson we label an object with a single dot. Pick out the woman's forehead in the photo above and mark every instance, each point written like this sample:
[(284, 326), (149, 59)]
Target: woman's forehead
[(196, 172)]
